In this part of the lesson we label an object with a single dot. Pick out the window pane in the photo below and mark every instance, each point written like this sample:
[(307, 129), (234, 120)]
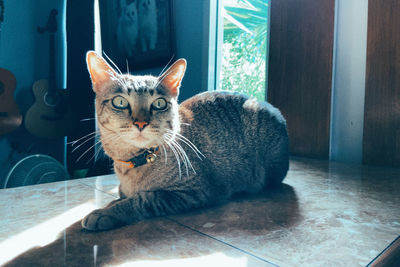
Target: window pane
[(244, 47)]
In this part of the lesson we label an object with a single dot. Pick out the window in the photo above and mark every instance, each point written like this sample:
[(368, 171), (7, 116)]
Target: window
[(243, 46)]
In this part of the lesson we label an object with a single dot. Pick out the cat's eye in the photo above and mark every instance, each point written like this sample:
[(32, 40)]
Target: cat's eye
[(119, 102), (159, 104)]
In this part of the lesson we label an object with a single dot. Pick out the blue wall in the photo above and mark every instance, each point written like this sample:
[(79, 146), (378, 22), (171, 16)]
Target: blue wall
[(24, 52)]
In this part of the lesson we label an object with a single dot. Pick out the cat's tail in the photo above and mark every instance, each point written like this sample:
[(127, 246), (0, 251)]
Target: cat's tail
[(277, 172), (278, 166)]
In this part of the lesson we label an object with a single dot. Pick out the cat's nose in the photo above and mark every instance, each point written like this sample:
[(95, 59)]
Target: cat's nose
[(141, 124)]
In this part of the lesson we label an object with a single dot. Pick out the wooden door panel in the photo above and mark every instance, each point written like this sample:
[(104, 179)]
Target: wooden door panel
[(300, 71), (381, 141)]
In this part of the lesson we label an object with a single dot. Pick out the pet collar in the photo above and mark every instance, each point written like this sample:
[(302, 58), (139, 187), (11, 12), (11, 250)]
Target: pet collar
[(148, 156)]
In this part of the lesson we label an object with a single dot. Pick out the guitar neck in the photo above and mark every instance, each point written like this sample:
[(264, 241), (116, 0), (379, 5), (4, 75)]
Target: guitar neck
[(52, 66)]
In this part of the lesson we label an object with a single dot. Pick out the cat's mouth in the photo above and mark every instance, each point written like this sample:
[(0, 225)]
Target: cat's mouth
[(140, 138)]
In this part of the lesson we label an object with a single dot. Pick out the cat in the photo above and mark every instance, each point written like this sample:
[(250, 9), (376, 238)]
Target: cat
[(148, 24), (128, 28), (174, 158)]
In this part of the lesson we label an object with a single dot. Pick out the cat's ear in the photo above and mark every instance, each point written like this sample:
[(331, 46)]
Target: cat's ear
[(100, 71), (173, 76)]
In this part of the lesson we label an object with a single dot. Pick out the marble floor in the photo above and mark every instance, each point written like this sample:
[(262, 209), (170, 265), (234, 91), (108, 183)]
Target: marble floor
[(325, 214)]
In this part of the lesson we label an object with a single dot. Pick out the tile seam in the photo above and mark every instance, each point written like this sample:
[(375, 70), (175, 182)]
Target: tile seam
[(221, 241), (94, 187)]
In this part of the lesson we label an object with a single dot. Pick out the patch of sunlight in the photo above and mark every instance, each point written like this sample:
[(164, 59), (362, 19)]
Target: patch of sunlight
[(216, 259), (114, 191), (42, 234), (104, 183)]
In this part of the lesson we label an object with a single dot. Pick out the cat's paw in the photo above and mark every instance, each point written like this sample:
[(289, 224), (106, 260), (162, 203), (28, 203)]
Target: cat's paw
[(99, 220)]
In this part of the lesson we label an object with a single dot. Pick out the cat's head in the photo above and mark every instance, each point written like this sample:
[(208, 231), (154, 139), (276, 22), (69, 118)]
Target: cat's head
[(131, 11), (146, 4), (134, 112)]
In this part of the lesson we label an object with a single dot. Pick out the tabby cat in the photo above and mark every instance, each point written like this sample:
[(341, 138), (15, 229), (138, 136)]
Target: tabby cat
[(173, 158)]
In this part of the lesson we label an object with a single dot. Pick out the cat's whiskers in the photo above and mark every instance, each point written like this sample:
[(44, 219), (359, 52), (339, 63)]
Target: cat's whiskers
[(191, 146), (112, 62), (165, 154), (180, 152), (87, 150), (124, 131), (96, 143), (127, 66), (176, 156), (188, 143), (166, 65), (96, 154), (119, 79), (87, 119), (189, 163), (123, 83), (160, 80), (168, 140), (84, 142), (174, 135), (83, 137)]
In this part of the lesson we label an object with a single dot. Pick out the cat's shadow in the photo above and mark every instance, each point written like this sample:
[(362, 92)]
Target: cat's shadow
[(265, 211), (173, 237)]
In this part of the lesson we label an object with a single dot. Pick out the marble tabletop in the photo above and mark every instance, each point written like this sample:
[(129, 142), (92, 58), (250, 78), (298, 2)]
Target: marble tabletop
[(324, 214)]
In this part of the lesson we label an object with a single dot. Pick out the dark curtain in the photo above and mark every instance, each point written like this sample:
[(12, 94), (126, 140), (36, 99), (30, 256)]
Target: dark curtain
[(80, 39)]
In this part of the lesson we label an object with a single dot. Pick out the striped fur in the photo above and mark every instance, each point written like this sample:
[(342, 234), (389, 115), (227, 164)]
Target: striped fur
[(212, 146)]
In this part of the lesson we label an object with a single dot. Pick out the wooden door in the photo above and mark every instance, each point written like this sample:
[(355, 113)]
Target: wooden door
[(300, 71), (381, 143)]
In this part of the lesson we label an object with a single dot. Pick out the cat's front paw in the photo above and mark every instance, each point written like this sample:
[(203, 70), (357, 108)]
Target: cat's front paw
[(99, 220)]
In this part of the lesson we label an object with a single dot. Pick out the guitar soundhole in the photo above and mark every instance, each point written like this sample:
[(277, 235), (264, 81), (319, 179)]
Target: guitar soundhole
[(51, 100), (2, 88)]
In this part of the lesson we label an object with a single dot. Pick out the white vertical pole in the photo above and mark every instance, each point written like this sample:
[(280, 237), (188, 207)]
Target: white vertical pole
[(348, 86)]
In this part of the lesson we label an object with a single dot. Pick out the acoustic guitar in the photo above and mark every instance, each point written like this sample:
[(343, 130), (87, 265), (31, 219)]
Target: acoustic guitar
[(50, 116), (10, 117)]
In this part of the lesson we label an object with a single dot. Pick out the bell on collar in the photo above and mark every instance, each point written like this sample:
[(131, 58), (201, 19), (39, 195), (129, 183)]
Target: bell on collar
[(151, 157)]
